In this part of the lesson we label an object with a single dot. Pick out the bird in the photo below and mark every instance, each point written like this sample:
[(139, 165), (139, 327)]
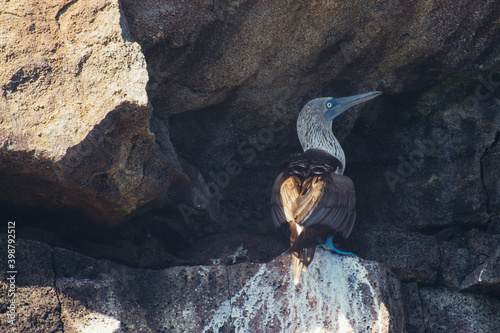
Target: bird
[(312, 200)]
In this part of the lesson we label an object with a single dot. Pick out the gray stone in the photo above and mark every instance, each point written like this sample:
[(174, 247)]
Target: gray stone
[(428, 193), (224, 85), (226, 80), (37, 307), (456, 263), (413, 308), (411, 256), (489, 164), (451, 311), (486, 277), (463, 253)]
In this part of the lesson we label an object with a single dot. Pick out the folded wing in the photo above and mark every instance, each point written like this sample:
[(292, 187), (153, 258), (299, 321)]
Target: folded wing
[(321, 204)]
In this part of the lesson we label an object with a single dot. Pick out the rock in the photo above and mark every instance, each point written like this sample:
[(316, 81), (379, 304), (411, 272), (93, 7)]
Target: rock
[(239, 50), (231, 80), (411, 256), (232, 247), (451, 311), (248, 83), (489, 164), (74, 121), (87, 127), (416, 174), (231, 94), (36, 302), (494, 226), (481, 243), (486, 277), (456, 263), (119, 251), (336, 294), (413, 308), (463, 253)]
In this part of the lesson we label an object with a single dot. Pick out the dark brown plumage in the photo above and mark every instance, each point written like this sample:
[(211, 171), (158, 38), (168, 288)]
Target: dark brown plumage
[(310, 203)]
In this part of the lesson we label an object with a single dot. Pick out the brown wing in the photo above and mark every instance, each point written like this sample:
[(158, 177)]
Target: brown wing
[(329, 200), (285, 191), (324, 204)]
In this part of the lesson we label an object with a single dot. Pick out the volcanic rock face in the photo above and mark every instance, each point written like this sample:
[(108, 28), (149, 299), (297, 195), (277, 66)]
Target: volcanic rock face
[(74, 121), (73, 293), (232, 77), (96, 95)]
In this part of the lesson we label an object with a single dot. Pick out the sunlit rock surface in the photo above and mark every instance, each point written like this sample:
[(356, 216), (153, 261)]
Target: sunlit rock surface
[(74, 113)]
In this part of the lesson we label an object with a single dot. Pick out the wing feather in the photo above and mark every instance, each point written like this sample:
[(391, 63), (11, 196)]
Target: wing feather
[(311, 195), (333, 193)]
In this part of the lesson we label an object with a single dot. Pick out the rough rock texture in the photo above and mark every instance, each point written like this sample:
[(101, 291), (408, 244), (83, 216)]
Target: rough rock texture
[(443, 310), (74, 113), (229, 72), (413, 308), (450, 311), (428, 171), (490, 163), (59, 290), (34, 281), (485, 278), (225, 82), (412, 256)]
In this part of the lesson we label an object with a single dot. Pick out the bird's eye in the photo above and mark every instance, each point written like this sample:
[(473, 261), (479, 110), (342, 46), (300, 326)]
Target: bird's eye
[(329, 104)]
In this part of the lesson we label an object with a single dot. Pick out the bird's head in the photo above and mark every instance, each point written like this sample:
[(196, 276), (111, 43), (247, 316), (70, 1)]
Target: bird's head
[(328, 108), (335, 106)]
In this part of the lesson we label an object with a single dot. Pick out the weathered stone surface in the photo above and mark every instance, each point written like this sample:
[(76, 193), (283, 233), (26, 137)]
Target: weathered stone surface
[(413, 308), (423, 175), (456, 263), (37, 307), (486, 277), (450, 311), (337, 294), (340, 42), (411, 256), (74, 113), (489, 164), (462, 253), (224, 77), (231, 248)]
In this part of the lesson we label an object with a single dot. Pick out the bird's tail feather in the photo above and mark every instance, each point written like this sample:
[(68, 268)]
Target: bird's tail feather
[(298, 265), (301, 259)]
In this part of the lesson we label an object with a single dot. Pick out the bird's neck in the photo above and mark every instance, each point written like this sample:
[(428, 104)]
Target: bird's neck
[(318, 135)]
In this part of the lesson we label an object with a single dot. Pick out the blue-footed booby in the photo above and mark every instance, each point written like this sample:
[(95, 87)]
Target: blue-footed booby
[(312, 200)]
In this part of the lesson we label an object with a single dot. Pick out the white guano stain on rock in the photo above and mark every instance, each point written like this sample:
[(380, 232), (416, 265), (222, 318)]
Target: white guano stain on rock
[(232, 258), (97, 323), (240, 251), (336, 294)]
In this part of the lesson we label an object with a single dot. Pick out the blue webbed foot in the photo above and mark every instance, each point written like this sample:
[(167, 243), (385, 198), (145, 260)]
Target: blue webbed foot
[(329, 246)]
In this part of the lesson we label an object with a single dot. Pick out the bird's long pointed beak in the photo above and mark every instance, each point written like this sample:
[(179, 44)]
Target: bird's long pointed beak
[(345, 103)]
